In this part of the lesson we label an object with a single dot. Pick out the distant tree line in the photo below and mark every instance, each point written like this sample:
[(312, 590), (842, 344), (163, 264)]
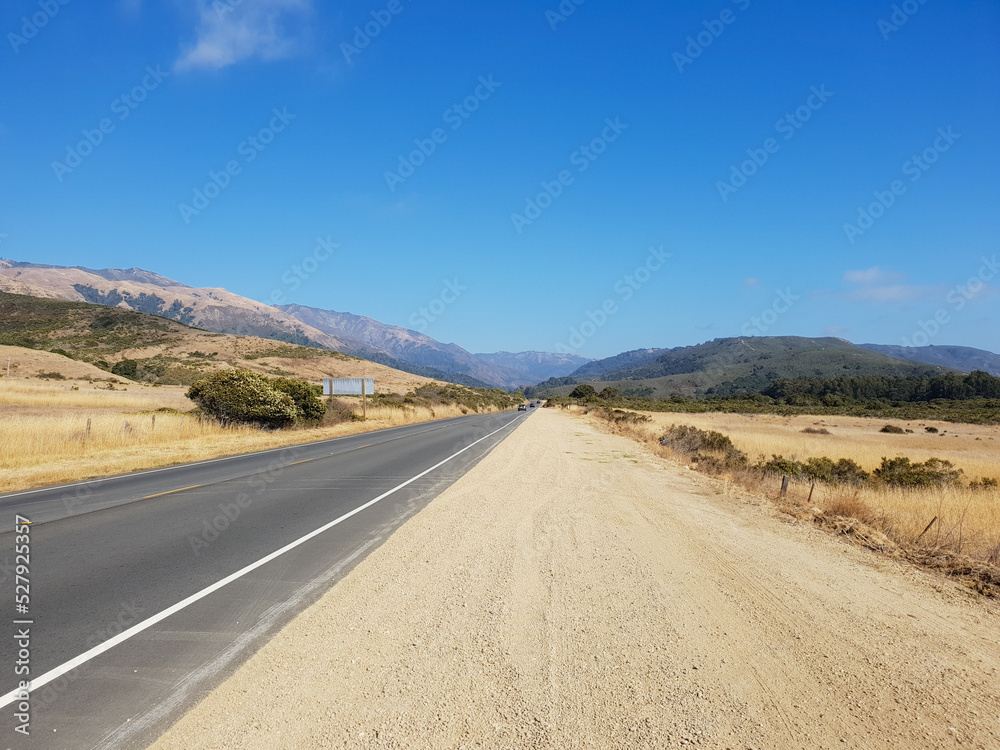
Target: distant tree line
[(841, 390)]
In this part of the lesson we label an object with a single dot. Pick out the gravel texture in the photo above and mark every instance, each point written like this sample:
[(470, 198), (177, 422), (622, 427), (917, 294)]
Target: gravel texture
[(573, 591)]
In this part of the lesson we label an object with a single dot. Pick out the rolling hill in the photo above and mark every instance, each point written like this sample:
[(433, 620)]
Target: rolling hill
[(961, 358), (732, 365), (163, 351), (222, 311), (214, 310)]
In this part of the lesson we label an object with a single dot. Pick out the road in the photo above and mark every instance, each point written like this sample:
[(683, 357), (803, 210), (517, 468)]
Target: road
[(597, 596), (149, 588)]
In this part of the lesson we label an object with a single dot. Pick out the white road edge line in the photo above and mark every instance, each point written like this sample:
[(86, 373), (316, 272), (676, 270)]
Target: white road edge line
[(86, 656), (98, 480)]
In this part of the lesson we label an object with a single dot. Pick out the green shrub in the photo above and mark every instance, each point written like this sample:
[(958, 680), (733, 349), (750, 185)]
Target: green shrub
[(931, 429), (716, 465), (688, 439), (842, 471), (127, 368), (901, 472), (306, 397), (782, 465), (242, 396), (846, 471), (584, 392), (608, 394), (619, 416), (987, 483), (892, 429)]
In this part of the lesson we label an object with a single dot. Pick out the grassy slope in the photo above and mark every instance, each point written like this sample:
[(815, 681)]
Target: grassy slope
[(169, 352)]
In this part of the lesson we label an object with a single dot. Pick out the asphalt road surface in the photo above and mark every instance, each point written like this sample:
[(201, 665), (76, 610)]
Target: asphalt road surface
[(146, 590)]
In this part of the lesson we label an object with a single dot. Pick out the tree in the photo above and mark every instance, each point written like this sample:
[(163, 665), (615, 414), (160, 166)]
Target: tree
[(584, 392), (609, 394)]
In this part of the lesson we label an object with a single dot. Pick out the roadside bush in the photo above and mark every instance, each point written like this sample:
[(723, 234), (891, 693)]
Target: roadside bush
[(987, 483), (931, 429), (842, 471), (782, 465), (719, 464), (619, 416), (242, 396), (477, 400), (691, 440), (893, 430), (306, 397), (609, 394), (338, 411), (846, 471), (584, 392), (901, 472)]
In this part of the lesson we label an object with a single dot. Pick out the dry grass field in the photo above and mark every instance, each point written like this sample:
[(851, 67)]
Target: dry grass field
[(973, 448), (44, 439), (968, 520)]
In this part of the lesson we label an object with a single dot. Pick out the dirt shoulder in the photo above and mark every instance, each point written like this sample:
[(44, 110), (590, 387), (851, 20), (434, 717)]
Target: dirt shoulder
[(575, 591)]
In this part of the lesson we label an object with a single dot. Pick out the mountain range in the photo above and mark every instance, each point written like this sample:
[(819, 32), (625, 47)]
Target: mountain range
[(221, 311), (720, 366), (744, 365)]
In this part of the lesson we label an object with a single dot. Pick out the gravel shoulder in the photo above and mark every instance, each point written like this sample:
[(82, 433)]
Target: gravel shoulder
[(574, 591)]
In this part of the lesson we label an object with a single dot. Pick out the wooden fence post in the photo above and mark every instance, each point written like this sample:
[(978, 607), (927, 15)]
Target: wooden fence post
[(784, 486)]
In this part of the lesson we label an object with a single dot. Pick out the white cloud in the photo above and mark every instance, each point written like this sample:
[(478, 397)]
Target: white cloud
[(233, 30), (877, 285), (891, 293), (873, 275)]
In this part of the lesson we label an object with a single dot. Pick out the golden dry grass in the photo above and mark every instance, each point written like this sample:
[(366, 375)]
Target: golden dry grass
[(26, 363), (973, 448), (20, 396), (968, 520), (43, 437)]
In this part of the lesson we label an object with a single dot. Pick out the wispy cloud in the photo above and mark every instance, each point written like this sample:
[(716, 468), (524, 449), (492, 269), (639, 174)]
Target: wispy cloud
[(879, 285), (230, 31), (751, 282), (873, 275), (892, 293)]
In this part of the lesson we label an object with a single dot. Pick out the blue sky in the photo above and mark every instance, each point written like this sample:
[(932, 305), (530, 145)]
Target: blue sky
[(744, 138)]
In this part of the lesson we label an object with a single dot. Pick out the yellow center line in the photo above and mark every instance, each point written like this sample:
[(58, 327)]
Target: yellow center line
[(179, 489), (300, 462), (353, 449)]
